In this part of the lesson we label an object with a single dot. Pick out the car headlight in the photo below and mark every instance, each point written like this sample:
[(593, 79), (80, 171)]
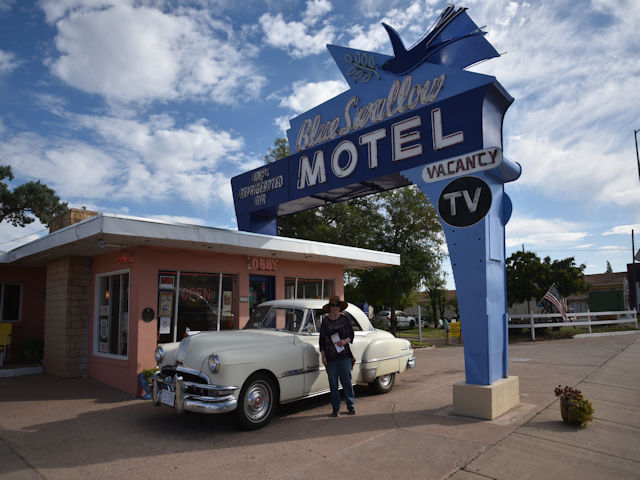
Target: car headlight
[(214, 363), (159, 354)]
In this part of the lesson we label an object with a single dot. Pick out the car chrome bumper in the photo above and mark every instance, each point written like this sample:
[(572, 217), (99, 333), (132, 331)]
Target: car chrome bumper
[(174, 391), (368, 373)]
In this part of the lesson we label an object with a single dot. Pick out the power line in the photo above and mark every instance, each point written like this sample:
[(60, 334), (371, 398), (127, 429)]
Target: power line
[(24, 236)]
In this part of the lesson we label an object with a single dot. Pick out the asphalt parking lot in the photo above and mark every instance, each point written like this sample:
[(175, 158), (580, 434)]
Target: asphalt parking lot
[(78, 428)]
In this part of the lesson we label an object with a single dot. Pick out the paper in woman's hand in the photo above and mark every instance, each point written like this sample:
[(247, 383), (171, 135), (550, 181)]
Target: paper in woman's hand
[(335, 338)]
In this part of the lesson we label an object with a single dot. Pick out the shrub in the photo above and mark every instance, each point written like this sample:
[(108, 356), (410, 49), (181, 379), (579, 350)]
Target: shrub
[(147, 373), (575, 409)]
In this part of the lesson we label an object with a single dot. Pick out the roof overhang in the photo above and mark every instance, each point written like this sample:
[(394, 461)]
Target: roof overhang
[(111, 233)]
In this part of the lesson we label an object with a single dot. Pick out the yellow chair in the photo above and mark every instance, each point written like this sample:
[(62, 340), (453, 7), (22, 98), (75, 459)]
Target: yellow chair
[(5, 341)]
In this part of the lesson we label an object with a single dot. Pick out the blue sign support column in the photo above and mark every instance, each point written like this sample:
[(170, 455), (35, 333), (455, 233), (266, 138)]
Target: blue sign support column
[(477, 254)]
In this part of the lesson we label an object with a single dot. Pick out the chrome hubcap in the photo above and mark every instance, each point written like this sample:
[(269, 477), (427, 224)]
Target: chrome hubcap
[(258, 401), (385, 381)]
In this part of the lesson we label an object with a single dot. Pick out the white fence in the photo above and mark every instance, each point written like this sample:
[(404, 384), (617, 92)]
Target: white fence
[(573, 320)]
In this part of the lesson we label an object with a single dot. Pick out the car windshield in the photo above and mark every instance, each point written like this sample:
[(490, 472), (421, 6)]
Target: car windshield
[(320, 315), (277, 318)]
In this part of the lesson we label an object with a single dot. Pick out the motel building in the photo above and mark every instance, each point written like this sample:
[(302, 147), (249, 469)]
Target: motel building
[(103, 290)]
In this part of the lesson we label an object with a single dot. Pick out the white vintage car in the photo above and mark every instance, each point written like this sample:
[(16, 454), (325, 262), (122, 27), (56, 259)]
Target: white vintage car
[(274, 359)]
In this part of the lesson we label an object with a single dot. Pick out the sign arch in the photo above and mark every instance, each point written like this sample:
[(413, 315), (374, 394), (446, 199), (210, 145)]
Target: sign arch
[(416, 117)]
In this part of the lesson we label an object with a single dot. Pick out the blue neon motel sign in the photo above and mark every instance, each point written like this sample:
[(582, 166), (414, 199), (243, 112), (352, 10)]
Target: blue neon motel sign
[(416, 117)]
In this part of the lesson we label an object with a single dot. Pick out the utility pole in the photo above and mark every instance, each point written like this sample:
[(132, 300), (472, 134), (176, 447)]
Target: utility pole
[(633, 264), (635, 136)]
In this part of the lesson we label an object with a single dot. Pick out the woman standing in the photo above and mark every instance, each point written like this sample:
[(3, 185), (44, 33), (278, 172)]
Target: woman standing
[(336, 334)]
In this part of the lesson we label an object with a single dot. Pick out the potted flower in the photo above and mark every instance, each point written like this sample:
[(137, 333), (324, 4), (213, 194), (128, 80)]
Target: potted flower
[(574, 408), (146, 376)]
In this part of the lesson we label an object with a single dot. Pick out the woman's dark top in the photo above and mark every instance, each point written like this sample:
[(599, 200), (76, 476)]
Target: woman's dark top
[(342, 326)]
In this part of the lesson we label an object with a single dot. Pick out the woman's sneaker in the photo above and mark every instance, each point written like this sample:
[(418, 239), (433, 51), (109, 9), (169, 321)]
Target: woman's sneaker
[(335, 413), (352, 411)]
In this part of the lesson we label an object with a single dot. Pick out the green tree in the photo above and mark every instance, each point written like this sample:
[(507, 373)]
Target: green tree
[(529, 277), (18, 206), (566, 275), (279, 150), (609, 268), (411, 228), (435, 287), (524, 271)]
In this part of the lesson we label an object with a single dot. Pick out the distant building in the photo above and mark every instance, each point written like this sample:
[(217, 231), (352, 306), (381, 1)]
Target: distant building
[(633, 275), (609, 292)]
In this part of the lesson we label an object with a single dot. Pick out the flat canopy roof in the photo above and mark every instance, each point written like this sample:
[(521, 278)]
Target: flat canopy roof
[(105, 233)]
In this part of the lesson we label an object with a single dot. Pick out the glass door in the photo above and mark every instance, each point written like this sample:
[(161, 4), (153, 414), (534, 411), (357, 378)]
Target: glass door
[(262, 288)]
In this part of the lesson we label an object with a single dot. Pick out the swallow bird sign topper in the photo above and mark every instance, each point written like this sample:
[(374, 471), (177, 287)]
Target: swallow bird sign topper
[(455, 41)]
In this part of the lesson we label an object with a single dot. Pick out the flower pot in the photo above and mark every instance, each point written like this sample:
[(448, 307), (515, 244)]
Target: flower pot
[(564, 410), (146, 395)]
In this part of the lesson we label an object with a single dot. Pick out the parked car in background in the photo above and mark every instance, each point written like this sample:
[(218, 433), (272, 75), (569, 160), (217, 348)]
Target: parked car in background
[(274, 359), (383, 319)]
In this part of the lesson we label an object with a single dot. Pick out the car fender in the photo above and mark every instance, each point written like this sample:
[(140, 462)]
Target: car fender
[(285, 366), (384, 356)]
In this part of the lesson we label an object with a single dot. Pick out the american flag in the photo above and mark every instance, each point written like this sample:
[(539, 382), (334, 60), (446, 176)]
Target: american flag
[(554, 297)]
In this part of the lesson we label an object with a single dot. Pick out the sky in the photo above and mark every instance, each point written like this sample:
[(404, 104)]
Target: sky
[(149, 107)]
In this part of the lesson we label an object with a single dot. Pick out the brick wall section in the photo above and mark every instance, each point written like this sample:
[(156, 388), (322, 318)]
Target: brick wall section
[(71, 216), (67, 313)]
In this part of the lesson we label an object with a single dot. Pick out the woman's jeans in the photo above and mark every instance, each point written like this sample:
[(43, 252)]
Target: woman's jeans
[(341, 369)]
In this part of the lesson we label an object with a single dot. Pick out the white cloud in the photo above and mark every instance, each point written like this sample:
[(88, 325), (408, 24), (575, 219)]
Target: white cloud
[(576, 101), (623, 229), (293, 36), (410, 21), (71, 168), (131, 160), (8, 62), (163, 146), (315, 10), (12, 237), (6, 5), (143, 54), (541, 232), (307, 95), (56, 9)]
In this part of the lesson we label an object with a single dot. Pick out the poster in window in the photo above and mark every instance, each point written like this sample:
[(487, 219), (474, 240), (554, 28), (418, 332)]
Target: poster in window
[(165, 325), (104, 329), (167, 282), (103, 344), (104, 310), (165, 303), (226, 303)]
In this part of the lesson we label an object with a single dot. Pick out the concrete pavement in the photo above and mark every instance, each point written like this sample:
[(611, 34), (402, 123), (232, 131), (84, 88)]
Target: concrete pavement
[(77, 428)]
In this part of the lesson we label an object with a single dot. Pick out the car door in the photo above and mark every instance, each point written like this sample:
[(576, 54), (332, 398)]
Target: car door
[(315, 376)]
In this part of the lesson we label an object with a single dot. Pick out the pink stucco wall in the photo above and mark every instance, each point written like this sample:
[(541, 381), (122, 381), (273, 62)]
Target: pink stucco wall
[(123, 374), (31, 324)]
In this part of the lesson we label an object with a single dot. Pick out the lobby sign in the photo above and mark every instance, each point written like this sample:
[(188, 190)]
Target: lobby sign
[(414, 117)]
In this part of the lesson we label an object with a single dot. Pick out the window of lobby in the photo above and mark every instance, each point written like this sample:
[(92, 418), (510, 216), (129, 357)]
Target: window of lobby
[(112, 314), (198, 301), (295, 287)]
